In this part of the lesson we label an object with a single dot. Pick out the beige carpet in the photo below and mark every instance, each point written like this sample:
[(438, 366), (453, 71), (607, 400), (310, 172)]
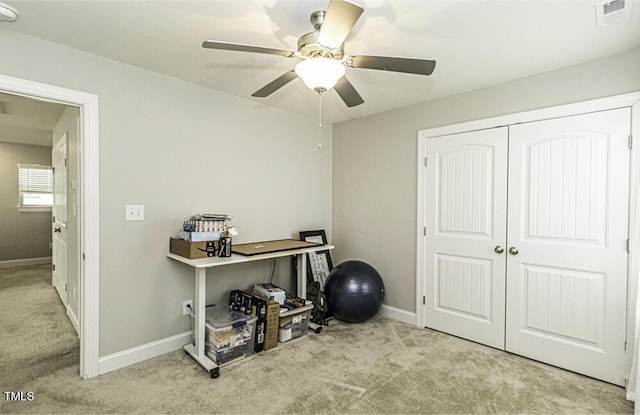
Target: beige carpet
[(36, 336), (378, 367)]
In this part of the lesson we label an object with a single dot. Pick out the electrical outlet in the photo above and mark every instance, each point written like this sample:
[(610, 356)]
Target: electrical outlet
[(187, 307)]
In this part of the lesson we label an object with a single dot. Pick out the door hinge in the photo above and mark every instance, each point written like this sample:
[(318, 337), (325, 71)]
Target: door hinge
[(424, 231), (65, 162), (83, 256), (630, 141), (65, 287), (628, 245), (53, 267), (424, 300), (425, 162), (53, 219)]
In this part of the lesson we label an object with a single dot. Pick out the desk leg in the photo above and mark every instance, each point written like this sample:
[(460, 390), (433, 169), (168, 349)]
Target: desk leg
[(302, 275), (200, 306), (197, 351)]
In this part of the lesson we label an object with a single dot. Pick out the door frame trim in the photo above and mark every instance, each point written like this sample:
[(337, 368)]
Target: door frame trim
[(89, 206), (630, 100)]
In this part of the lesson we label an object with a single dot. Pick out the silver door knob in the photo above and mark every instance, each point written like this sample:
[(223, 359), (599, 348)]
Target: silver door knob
[(498, 249), (513, 250)]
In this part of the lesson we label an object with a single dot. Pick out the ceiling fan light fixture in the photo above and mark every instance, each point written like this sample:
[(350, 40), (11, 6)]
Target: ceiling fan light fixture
[(320, 74), (8, 13)]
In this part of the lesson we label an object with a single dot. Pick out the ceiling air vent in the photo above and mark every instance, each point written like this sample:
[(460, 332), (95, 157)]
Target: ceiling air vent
[(614, 11)]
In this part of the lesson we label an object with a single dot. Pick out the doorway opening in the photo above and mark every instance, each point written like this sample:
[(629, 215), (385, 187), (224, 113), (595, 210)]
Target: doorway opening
[(88, 209)]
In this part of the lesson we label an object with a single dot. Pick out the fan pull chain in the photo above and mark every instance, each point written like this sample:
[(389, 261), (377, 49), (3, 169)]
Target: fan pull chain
[(320, 121)]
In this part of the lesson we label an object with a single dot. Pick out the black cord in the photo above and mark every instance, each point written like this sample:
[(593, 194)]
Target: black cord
[(273, 271)]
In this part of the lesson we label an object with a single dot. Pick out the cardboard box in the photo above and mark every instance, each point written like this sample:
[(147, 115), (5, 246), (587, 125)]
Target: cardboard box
[(188, 249), (273, 316), (267, 313), (270, 291), (250, 304)]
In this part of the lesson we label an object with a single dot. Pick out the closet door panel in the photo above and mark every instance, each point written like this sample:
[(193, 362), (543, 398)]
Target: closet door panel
[(466, 220), (568, 213)]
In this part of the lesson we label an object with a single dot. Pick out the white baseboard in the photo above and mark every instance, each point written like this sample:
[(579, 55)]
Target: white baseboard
[(74, 319), (25, 262), (147, 351), (139, 354), (398, 314)]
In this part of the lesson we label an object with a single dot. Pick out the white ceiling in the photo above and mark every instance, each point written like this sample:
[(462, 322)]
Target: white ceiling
[(476, 43), (28, 121)]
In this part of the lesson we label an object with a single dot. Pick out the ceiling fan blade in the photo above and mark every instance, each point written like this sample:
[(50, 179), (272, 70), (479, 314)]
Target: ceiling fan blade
[(276, 84), (348, 93), (211, 44), (341, 16), (388, 63)]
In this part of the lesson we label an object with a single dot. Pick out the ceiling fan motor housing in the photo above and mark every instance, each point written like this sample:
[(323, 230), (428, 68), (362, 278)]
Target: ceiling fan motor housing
[(308, 45)]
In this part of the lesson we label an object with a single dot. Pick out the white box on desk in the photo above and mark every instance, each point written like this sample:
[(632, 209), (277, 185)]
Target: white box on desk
[(199, 236)]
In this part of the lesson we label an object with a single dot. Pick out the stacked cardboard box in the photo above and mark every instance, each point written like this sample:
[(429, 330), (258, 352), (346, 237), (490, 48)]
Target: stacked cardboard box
[(188, 249), (267, 313), (273, 315), (200, 236)]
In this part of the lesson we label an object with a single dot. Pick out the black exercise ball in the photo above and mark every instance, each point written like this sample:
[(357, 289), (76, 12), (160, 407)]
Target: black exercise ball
[(354, 291)]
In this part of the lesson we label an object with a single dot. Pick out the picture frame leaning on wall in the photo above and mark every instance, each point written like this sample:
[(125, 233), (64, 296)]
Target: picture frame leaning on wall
[(319, 263)]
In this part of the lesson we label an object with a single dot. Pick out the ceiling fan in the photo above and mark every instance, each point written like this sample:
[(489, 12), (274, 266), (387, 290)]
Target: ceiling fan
[(323, 63)]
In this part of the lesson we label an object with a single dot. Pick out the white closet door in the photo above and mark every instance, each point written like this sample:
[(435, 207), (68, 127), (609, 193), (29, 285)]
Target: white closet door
[(568, 213), (466, 221), (60, 230)]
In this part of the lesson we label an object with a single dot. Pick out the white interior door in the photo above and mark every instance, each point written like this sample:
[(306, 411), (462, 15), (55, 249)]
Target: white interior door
[(465, 231), (568, 221), (59, 231)]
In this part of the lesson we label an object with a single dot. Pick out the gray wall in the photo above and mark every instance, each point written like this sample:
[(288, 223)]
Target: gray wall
[(23, 234), (375, 161), (179, 149)]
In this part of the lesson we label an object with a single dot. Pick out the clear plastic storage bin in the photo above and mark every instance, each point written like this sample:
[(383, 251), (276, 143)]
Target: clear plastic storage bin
[(228, 335), (294, 323)]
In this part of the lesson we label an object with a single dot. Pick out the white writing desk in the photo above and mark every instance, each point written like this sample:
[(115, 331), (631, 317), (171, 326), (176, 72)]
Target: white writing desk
[(201, 264)]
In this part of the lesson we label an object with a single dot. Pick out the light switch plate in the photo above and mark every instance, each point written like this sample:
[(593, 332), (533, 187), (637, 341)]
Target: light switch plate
[(134, 213)]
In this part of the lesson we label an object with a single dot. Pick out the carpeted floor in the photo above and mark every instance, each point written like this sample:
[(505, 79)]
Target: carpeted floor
[(378, 367), (37, 337)]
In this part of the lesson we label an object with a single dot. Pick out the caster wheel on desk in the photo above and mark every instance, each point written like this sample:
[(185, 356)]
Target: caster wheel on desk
[(215, 373), (316, 328)]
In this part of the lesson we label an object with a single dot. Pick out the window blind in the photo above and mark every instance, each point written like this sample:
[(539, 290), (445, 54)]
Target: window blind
[(35, 185), (35, 178)]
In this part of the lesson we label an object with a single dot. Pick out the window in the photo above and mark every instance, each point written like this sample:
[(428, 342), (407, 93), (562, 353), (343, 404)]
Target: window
[(35, 185)]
